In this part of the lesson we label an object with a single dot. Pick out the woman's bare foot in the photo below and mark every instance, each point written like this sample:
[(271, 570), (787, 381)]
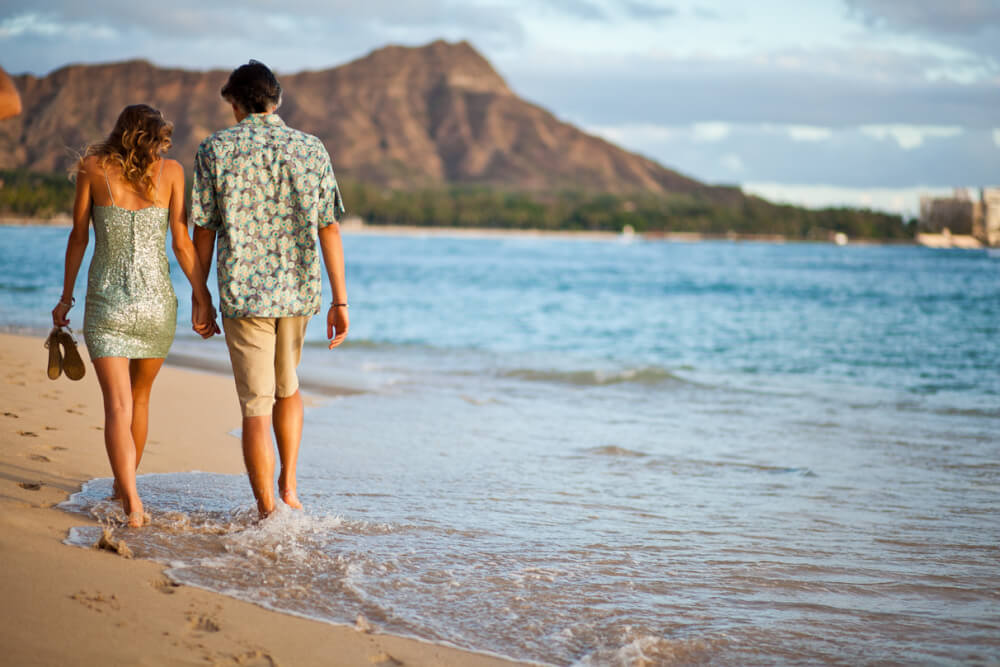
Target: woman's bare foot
[(116, 491), (290, 498)]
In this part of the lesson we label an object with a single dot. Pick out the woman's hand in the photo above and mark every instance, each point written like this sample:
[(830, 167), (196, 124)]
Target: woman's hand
[(60, 312)]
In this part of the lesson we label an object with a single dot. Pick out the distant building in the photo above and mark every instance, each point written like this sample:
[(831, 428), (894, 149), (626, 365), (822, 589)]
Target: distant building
[(963, 215), (990, 201)]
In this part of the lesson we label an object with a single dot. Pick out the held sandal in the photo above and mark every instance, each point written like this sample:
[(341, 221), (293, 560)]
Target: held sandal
[(55, 367), (72, 363)]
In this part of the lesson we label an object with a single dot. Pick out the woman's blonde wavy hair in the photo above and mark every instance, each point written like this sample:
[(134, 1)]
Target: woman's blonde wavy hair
[(139, 137)]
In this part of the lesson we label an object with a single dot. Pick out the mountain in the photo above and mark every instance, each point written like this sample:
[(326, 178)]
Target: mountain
[(399, 117)]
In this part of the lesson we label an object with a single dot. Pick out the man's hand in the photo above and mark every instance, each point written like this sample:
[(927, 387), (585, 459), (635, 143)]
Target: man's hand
[(337, 320), (203, 317)]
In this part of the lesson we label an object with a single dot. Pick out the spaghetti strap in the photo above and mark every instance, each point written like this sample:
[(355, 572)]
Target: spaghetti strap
[(163, 161), (108, 183)]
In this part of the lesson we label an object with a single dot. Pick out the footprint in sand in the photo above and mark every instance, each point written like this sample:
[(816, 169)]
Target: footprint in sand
[(248, 659), (10, 414), (165, 586), (30, 486), (27, 434), (384, 660), (57, 448), (202, 623), (73, 412), (40, 457), (97, 601)]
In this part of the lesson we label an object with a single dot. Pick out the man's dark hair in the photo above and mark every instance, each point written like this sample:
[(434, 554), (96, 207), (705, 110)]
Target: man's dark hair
[(253, 88)]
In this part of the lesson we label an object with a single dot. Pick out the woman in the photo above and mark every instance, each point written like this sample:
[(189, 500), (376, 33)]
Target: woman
[(133, 194)]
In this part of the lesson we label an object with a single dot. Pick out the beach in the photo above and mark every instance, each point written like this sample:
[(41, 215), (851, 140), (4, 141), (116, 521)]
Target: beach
[(71, 606)]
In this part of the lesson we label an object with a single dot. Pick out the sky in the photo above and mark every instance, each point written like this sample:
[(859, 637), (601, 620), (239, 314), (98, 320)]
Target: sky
[(817, 102)]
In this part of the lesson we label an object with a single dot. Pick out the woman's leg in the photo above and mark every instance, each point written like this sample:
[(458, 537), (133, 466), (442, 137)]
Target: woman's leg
[(142, 372), (116, 387)]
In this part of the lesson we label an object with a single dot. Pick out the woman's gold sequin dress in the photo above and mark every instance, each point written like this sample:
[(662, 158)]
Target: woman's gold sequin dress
[(131, 306)]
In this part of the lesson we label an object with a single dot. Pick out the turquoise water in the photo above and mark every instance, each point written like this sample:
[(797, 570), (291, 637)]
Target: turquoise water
[(600, 452)]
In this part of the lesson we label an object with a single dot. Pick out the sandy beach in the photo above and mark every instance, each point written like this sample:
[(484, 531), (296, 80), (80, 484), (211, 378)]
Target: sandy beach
[(71, 606)]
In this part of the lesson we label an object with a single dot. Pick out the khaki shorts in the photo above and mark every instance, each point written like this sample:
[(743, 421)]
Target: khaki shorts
[(265, 351)]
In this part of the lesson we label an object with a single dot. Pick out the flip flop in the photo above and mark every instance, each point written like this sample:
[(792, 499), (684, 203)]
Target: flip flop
[(55, 356), (72, 363)]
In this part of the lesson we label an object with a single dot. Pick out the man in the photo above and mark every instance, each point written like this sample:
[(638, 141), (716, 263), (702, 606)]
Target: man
[(267, 191)]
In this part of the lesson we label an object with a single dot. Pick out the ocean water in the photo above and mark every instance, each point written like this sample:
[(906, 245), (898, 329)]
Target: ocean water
[(618, 453)]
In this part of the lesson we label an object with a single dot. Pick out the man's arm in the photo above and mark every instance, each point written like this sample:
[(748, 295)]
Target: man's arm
[(204, 247), (331, 207), (207, 219), (333, 257), (10, 101)]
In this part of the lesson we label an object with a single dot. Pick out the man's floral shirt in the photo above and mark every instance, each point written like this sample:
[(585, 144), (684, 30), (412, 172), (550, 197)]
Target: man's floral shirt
[(265, 188)]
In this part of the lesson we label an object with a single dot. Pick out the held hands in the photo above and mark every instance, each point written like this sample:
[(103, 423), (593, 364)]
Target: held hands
[(337, 320), (203, 316)]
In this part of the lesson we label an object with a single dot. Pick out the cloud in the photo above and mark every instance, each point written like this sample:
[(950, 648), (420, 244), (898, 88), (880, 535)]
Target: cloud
[(823, 88), (904, 201), (967, 17), (856, 157), (582, 9), (28, 24), (290, 35), (967, 26), (637, 134), (808, 133), (732, 162), (710, 131), (909, 136), (643, 10), (707, 14)]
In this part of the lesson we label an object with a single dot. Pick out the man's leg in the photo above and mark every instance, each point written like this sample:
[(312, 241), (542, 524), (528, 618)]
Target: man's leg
[(288, 433), (291, 332), (251, 343), (258, 455)]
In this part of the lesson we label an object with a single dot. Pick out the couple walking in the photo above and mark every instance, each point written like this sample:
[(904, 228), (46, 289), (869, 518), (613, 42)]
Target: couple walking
[(263, 193)]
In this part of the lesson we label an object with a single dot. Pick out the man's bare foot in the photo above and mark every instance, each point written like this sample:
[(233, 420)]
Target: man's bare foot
[(290, 498), (139, 519), (265, 508), (136, 516)]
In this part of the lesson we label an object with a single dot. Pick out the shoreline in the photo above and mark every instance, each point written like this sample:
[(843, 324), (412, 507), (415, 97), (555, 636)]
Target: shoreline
[(352, 226), (68, 605)]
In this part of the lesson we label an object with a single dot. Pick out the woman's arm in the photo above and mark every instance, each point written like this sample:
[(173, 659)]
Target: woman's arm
[(79, 236), (202, 311)]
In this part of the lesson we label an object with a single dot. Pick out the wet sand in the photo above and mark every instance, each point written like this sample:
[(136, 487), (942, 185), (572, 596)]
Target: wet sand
[(71, 606)]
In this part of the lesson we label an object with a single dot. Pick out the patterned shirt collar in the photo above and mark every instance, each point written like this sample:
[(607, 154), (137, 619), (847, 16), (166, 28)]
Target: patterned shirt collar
[(268, 118)]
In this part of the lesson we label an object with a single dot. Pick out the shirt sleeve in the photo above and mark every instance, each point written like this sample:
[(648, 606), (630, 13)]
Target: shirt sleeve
[(330, 203), (204, 204)]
